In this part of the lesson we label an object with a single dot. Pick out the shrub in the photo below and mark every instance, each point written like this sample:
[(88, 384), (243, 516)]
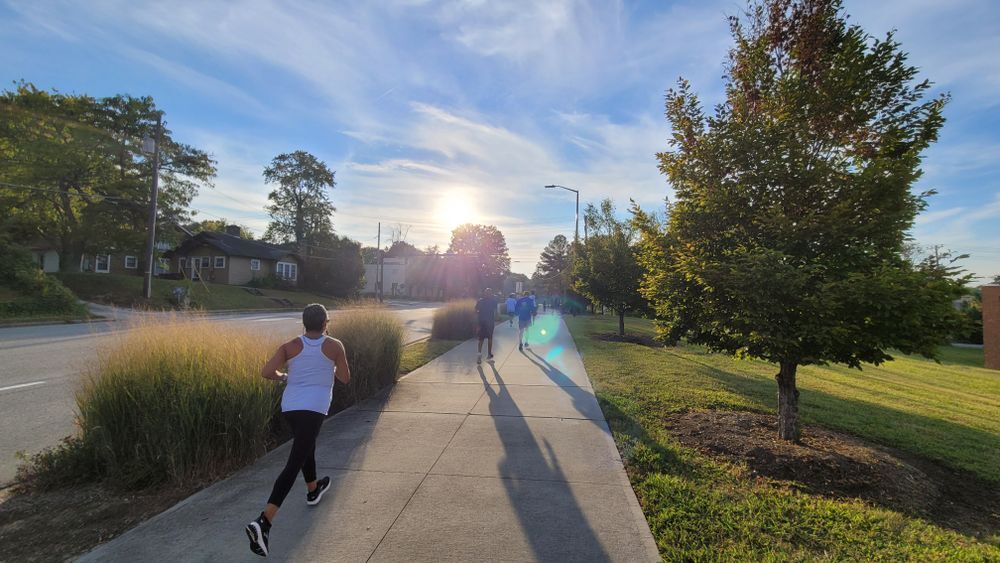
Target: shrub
[(373, 340), (43, 295), (455, 320), (178, 402)]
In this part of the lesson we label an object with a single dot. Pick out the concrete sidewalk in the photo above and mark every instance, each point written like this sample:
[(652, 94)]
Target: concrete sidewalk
[(511, 461)]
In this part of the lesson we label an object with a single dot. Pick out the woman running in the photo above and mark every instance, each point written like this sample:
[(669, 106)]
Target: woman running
[(313, 361)]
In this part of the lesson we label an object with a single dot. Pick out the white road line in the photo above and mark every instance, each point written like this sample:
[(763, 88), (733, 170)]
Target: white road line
[(33, 383)]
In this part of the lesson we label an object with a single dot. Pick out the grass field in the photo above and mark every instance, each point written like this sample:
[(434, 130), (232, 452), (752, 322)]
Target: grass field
[(700, 508), (422, 352), (125, 291)]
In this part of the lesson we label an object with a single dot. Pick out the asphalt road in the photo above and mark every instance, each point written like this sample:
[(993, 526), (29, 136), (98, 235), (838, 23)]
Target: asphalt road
[(40, 371)]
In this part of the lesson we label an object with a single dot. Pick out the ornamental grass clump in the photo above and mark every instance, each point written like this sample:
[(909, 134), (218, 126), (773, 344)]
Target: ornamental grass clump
[(455, 320), (373, 340), (178, 402)]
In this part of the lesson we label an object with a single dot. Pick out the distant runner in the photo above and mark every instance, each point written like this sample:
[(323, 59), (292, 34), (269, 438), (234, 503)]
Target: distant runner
[(511, 308), (313, 361), (534, 305), (486, 313), (524, 309)]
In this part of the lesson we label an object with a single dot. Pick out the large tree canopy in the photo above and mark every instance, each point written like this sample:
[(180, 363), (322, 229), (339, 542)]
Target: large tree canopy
[(301, 210), (482, 257), (793, 201), (73, 174)]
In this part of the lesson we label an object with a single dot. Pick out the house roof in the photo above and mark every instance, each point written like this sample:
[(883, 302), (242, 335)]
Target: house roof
[(233, 246)]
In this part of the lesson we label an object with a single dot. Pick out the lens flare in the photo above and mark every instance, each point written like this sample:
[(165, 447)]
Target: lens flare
[(544, 328)]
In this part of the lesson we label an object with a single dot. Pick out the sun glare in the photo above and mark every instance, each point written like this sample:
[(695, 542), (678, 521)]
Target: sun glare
[(454, 210)]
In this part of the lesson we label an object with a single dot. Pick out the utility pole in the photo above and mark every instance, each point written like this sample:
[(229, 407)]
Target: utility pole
[(378, 265), (147, 282)]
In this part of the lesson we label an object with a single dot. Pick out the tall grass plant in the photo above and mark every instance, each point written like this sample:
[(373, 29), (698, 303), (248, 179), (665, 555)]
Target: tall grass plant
[(178, 401), (455, 320), (373, 340)]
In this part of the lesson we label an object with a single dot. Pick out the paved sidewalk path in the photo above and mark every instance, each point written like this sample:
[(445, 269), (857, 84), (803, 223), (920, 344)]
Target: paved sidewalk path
[(510, 461)]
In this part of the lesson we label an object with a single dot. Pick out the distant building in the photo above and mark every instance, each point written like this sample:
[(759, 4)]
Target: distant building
[(227, 258)]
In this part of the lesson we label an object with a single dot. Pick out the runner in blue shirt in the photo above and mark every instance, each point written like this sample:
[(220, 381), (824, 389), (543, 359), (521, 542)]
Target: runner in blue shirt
[(511, 308)]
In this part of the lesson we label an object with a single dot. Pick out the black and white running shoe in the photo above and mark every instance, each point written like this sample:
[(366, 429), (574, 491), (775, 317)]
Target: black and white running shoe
[(489, 358), (313, 498), (257, 531)]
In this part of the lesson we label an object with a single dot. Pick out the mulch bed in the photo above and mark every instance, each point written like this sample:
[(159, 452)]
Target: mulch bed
[(639, 339), (60, 524), (835, 465)]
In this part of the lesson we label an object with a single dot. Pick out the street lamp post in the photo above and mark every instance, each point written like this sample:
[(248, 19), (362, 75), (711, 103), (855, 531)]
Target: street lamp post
[(576, 236), (152, 145)]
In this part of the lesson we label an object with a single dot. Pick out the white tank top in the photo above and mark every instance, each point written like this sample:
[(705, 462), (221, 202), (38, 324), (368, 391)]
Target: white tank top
[(310, 379)]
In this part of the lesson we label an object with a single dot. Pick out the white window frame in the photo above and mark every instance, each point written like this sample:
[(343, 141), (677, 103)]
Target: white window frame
[(255, 264), (204, 263), (291, 267), (135, 262), (107, 264), (215, 262)]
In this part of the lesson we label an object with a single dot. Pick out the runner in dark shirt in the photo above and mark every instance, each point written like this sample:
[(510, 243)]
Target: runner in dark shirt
[(524, 309), (486, 314)]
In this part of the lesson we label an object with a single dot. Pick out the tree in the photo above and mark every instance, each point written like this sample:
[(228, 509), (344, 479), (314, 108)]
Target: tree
[(553, 269), (334, 267), (793, 202), (301, 210), (481, 257), (73, 170), (605, 269), (402, 249), (218, 226)]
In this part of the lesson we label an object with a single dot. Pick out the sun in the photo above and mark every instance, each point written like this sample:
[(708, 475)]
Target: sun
[(453, 210)]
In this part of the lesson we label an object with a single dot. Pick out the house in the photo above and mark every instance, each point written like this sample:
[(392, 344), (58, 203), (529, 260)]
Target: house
[(109, 261), (225, 257)]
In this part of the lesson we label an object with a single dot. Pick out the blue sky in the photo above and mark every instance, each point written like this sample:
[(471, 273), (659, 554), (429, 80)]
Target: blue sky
[(434, 112)]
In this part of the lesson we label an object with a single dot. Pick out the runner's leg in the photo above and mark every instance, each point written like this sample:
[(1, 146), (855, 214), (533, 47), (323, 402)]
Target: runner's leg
[(305, 427)]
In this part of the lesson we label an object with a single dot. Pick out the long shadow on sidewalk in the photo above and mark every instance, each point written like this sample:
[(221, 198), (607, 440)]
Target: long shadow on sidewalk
[(582, 397), (554, 535)]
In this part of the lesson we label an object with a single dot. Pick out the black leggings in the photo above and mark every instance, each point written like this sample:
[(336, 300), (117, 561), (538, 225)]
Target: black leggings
[(305, 427)]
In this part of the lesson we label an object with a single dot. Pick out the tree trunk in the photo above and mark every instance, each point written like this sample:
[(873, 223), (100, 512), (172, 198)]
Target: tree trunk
[(788, 403), (621, 322)]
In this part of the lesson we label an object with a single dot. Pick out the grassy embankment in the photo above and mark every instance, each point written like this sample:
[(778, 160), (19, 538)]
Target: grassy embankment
[(702, 508), (125, 291)]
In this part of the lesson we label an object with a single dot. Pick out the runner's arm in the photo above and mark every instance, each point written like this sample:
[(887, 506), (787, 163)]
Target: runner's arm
[(340, 360), (270, 369)]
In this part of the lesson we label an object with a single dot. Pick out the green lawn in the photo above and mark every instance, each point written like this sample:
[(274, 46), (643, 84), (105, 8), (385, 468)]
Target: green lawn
[(125, 290), (702, 509), (422, 352)]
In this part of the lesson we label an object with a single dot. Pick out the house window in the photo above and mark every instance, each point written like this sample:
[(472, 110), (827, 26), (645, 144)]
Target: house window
[(287, 271), (202, 261), (131, 262), (220, 262), (102, 263), (254, 264)]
